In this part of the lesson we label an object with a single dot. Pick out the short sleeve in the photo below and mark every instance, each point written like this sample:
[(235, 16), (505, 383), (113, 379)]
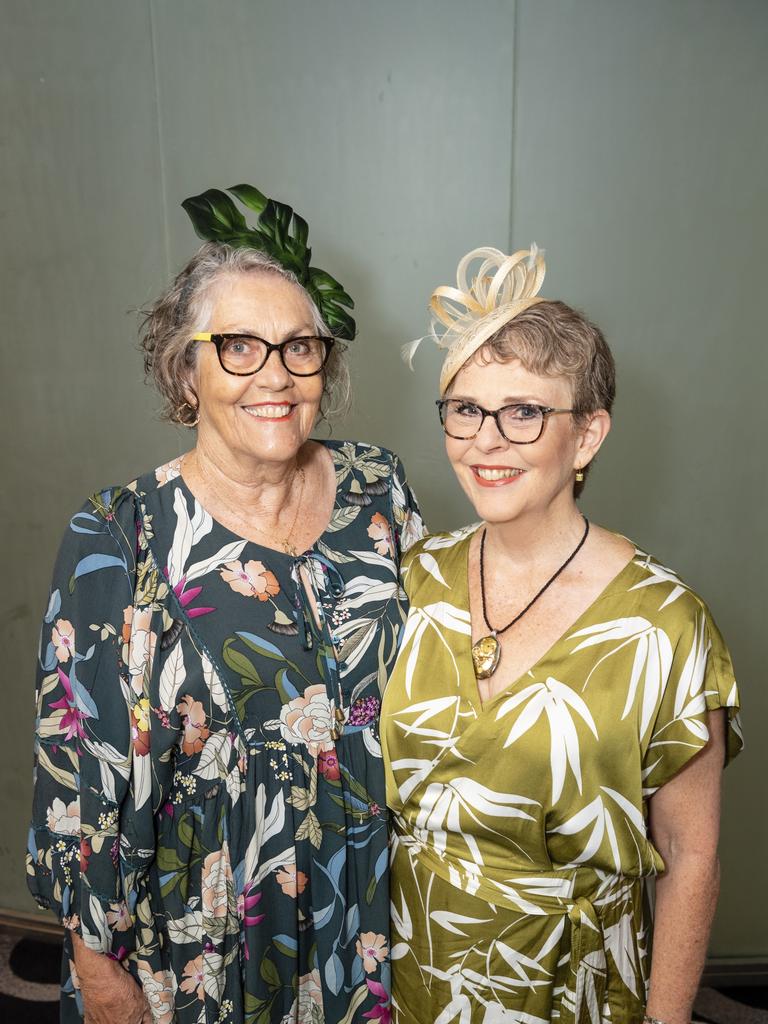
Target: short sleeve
[(701, 679), (83, 742), (406, 515)]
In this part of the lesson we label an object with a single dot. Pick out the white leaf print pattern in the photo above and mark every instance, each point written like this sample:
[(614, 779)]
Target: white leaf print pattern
[(555, 699), (599, 817), (441, 806), (187, 533), (653, 660), (429, 562), (432, 616), (171, 678), (228, 553)]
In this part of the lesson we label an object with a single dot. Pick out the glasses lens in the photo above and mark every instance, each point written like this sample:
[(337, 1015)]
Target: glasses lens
[(304, 355), (521, 422), (242, 354), (460, 419)]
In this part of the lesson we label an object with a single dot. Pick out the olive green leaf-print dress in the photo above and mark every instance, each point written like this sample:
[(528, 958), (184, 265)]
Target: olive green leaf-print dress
[(209, 800), (520, 830)]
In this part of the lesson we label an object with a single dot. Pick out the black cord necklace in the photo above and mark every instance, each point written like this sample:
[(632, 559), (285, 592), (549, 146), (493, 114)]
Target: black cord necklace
[(486, 653)]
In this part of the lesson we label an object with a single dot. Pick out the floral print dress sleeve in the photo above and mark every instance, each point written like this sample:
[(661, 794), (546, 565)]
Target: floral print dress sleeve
[(81, 857)]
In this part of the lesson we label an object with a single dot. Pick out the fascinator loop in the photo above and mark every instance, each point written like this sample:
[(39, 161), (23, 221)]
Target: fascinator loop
[(464, 317)]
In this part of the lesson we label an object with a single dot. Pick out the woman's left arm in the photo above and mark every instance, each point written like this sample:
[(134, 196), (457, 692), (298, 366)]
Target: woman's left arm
[(684, 818)]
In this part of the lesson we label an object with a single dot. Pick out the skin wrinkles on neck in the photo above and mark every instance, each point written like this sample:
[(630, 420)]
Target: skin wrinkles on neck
[(259, 490)]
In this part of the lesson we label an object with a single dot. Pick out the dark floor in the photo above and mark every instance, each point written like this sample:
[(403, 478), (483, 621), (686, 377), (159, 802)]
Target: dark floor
[(30, 968)]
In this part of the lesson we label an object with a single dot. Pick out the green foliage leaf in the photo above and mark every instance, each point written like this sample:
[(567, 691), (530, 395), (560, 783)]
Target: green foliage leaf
[(214, 216), (249, 196), (240, 664), (270, 973), (280, 233)]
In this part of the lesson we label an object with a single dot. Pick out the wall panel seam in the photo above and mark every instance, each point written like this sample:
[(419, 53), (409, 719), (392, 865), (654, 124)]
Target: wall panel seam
[(513, 246), (160, 139)]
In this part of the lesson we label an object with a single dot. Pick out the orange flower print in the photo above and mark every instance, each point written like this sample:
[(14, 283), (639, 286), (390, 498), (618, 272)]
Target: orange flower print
[(373, 949), (290, 880), (193, 978), (381, 534), (252, 579), (125, 634), (63, 639), (196, 732)]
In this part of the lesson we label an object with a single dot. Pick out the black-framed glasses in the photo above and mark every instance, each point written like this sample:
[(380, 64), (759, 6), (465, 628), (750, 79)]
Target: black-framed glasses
[(245, 354), (521, 423)]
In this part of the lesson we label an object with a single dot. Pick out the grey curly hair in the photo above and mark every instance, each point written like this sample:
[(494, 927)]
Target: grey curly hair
[(185, 308)]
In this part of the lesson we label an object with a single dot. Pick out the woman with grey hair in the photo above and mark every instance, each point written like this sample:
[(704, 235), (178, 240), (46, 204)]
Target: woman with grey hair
[(209, 815), (561, 708)]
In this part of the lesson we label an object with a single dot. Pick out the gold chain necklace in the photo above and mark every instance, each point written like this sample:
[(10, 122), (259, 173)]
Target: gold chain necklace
[(288, 548), (486, 652)]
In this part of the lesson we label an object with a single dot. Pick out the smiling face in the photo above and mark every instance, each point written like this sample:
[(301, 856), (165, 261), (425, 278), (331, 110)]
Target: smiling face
[(506, 481), (267, 416)]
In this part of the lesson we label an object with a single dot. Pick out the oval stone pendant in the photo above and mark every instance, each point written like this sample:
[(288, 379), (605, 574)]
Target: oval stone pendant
[(485, 656)]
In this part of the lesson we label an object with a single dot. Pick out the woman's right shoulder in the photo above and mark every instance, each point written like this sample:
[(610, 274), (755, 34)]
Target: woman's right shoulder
[(119, 501)]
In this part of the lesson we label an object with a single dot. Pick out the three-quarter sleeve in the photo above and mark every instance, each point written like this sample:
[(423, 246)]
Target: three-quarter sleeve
[(701, 679), (85, 727), (408, 523)]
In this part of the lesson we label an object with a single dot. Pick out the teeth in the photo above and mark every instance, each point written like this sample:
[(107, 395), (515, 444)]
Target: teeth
[(268, 411), (497, 474)]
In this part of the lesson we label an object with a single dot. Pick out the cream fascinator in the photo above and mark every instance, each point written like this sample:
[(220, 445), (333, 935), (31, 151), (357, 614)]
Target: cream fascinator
[(465, 317)]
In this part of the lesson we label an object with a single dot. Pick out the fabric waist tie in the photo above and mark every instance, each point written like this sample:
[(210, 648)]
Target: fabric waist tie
[(584, 995)]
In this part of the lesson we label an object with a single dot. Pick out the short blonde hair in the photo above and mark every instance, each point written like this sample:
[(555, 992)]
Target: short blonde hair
[(552, 339), (185, 308)]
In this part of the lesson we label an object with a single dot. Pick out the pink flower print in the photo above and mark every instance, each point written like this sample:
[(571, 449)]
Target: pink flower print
[(373, 948), (246, 901), (193, 977), (63, 639), (381, 1011), (380, 533), (252, 579), (73, 716), (186, 597), (196, 732)]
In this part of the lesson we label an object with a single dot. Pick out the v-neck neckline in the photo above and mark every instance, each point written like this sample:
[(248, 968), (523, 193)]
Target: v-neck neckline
[(331, 446), (476, 701)]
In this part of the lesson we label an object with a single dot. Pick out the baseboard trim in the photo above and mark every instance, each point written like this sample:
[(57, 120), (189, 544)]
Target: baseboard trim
[(724, 971), (42, 924)]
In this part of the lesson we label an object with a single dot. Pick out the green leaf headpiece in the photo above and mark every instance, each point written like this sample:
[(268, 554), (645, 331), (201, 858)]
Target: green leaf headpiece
[(280, 233)]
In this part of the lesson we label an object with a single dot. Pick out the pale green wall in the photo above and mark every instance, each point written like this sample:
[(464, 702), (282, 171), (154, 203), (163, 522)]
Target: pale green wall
[(621, 135)]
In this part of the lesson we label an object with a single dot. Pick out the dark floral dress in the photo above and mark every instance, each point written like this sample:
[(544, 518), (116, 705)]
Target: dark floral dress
[(209, 799)]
